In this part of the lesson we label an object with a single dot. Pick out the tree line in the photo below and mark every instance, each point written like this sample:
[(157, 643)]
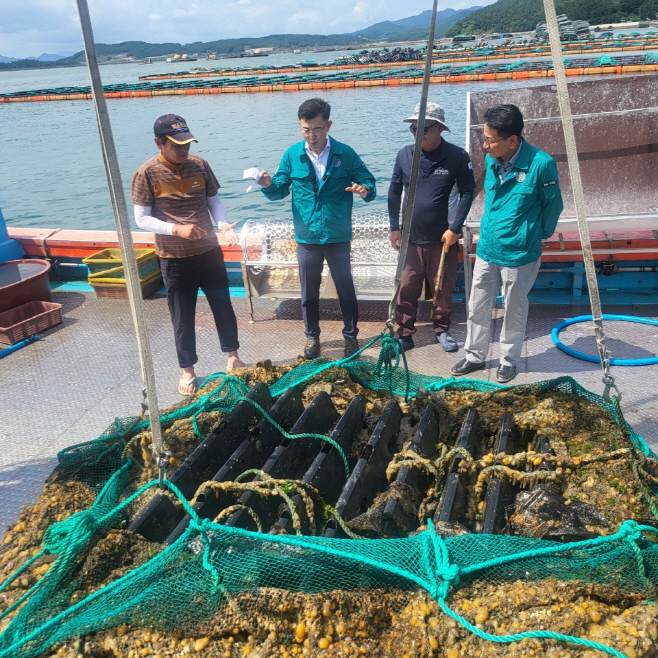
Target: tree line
[(523, 15)]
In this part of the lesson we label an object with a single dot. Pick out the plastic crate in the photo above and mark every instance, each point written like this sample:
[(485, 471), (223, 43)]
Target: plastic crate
[(111, 258), (27, 320), (109, 288), (118, 274)]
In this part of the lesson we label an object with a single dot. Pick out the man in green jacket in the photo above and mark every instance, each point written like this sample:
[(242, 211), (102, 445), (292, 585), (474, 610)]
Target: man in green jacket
[(521, 207), (324, 175)]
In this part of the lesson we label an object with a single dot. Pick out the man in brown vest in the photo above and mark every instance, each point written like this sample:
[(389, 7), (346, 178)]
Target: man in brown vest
[(175, 197)]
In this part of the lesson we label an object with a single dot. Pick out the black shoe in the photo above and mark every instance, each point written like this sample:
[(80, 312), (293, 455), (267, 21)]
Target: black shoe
[(505, 374), (312, 349), (406, 343), (464, 367), (351, 346)]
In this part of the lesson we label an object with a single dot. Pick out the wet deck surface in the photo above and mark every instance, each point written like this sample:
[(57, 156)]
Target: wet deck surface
[(68, 387)]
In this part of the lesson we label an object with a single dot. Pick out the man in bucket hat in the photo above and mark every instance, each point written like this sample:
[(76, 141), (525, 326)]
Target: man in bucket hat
[(175, 197), (435, 226)]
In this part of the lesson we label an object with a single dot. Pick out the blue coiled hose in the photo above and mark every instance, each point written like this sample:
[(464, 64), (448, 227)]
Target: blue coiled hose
[(595, 359)]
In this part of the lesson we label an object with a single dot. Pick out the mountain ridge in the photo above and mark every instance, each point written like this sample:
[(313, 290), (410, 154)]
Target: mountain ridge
[(523, 15), (405, 29)]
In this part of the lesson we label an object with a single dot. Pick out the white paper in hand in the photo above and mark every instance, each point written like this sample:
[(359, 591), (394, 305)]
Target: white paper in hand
[(254, 174)]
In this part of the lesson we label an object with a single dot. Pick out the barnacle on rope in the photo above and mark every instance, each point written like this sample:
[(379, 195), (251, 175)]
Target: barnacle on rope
[(268, 486)]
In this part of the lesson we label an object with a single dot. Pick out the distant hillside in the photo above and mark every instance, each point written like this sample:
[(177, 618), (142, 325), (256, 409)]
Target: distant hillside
[(425, 17), (523, 15), (47, 57), (415, 27), (19, 64), (406, 29)]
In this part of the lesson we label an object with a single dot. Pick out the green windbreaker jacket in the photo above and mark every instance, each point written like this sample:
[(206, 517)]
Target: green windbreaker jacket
[(326, 218), (520, 211)]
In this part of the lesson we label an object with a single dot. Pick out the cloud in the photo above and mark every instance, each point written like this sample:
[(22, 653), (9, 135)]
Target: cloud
[(31, 27)]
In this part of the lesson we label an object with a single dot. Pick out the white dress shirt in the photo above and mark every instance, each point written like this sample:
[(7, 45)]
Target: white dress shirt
[(320, 161)]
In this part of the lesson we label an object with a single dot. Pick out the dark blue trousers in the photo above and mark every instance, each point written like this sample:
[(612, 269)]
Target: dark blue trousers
[(182, 278), (311, 259)]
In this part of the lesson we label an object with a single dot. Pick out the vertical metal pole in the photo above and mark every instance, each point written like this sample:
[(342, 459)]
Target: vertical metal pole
[(415, 166), (123, 231), (466, 232), (577, 187)]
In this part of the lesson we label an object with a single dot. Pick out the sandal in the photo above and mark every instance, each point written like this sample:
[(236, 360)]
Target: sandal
[(183, 383), (237, 363)]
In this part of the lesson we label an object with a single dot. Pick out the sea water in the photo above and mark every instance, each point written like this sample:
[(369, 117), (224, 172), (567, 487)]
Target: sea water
[(52, 166)]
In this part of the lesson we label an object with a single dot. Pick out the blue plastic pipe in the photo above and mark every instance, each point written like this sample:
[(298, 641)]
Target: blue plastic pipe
[(18, 346), (596, 359)]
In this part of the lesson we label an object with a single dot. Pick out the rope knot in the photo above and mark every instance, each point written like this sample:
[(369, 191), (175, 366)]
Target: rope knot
[(630, 530), (451, 574), (76, 529), (385, 363)]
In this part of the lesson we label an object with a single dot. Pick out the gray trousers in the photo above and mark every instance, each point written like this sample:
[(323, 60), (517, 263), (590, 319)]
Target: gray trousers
[(488, 279)]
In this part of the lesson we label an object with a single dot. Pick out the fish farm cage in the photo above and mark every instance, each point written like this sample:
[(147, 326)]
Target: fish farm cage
[(446, 73), (343, 509)]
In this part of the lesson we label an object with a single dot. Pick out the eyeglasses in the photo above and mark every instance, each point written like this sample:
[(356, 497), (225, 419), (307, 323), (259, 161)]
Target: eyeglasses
[(491, 142), (425, 128), (314, 131)]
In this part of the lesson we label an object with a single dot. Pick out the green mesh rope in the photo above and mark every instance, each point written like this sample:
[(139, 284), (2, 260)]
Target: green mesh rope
[(220, 562), (605, 60), (437, 580), (514, 65)]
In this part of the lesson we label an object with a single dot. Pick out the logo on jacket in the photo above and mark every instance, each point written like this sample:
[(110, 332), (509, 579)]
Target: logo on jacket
[(441, 171), (520, 177), (337, 163)]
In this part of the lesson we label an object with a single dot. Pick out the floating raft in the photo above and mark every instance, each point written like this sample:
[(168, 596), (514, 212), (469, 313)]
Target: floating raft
[(451, 56), (519, 70)]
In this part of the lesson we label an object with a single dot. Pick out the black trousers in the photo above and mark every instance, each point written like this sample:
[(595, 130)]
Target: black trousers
[(182, 278), (311, 259)]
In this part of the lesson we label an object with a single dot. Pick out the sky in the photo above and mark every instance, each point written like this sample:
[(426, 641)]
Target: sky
[(31, 27)]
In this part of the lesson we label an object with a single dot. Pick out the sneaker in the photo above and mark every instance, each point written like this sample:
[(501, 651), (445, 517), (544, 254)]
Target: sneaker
[(447, 342), (351, 346), (505, 374), (406, 343), (464, 367), (312, 349)]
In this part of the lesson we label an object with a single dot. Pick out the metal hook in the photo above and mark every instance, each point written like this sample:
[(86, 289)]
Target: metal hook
[(609, 382), (162, 462)]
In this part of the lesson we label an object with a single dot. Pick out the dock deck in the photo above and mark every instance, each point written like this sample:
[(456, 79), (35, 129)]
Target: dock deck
[(68, 387)]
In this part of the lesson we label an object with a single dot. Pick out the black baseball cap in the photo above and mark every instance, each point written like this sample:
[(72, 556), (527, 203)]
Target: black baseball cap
[(173, 127)]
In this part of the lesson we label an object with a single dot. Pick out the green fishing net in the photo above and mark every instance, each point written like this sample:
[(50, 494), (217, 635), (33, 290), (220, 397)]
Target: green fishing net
[(216, 579)]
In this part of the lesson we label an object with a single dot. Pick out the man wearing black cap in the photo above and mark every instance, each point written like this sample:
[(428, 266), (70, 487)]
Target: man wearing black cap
[(175, 194)]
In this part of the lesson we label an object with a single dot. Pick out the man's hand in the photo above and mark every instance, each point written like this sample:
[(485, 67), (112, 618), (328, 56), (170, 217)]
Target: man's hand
[(229, 234), (361, 190), (265, 179), (449, 238), (188, 231), (396, 240)]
